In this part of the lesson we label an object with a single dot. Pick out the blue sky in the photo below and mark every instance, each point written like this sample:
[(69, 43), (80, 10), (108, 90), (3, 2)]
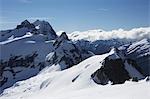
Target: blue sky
[(72, 15)]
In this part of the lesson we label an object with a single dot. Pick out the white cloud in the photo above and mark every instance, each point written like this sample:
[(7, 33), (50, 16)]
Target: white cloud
[(92, 35)]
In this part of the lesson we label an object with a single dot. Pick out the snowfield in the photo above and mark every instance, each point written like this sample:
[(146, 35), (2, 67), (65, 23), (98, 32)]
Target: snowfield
[(75, 83), (128, 90)]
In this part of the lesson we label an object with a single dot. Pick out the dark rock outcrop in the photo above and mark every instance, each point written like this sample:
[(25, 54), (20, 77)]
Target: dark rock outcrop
[(117, 70), (43, 27), (66, 53), (18, 68), (112, 70), (25, 24)]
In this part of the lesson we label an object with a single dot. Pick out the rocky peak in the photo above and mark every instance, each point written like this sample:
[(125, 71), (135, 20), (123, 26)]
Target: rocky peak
[(62, 38), (66, 53), (43, 27), (26, 24)]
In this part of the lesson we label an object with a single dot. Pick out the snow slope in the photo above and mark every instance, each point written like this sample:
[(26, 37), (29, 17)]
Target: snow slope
[(129, 90), (75, 83)]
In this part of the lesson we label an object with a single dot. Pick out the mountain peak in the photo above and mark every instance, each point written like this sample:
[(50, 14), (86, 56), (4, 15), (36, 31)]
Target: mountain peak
[(63, 36), (26, 24), (41, 22), (45, 28)]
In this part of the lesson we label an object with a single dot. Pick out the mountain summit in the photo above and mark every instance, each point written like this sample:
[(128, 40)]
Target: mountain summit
[(43, 27), (26, 24)]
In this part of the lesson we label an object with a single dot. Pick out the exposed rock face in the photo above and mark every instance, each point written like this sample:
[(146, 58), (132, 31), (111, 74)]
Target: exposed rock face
[(117, 70), (25, 24), (140, 52), (18, 68), (62, 38), (45, 28), (112, 70), (66, 53)]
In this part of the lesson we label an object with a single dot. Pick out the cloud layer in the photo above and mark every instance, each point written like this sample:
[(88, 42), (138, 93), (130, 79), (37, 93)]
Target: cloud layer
[(92, 35)]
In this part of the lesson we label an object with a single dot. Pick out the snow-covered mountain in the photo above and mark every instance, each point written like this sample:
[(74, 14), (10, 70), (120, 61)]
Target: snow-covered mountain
[(140, 52), (66, 53), (77, 83), (23, 56), (35, 63), (23, 51), (38, 27)]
